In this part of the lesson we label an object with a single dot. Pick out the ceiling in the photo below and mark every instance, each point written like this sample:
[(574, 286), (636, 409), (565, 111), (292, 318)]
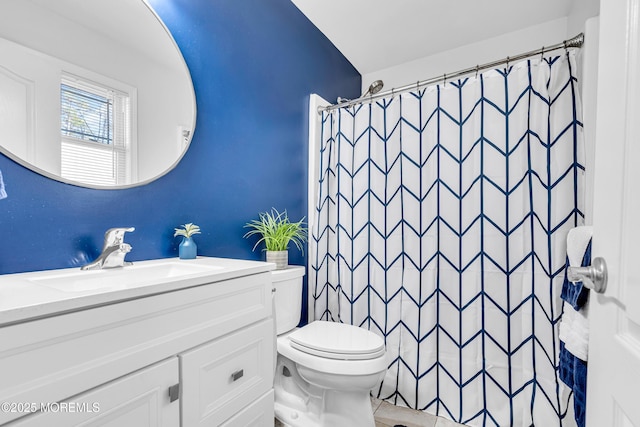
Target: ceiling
[(378, 34)]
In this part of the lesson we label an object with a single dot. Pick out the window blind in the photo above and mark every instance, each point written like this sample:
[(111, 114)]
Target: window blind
[(95, 129)]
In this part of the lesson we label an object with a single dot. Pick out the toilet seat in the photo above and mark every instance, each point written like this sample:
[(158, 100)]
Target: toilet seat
[(337, 341), (326, 364)]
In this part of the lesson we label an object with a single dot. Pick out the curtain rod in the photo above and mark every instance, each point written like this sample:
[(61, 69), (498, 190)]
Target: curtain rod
[(576, 41)]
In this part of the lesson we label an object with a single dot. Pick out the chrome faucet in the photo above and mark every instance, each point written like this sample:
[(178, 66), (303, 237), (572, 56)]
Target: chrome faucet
[(113, 251)]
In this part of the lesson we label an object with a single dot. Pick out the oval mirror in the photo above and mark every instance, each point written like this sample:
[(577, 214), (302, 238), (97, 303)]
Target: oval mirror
[(92, 92)]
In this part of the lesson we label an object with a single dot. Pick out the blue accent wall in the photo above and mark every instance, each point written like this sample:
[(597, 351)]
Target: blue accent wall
[(253, 65)]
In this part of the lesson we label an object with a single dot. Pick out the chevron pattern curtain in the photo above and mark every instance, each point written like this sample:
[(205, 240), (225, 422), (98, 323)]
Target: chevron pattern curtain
[(441, 224)]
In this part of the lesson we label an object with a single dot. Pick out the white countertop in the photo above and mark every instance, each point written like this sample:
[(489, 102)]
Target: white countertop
[(32, 295)]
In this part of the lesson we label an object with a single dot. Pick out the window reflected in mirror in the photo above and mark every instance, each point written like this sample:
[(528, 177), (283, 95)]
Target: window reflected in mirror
[(95, 126)]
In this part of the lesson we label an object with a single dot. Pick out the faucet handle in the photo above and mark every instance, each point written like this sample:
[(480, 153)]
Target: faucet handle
[(115, 236)]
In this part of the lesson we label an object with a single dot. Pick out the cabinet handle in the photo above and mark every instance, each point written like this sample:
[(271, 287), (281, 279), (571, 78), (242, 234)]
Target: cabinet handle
[(237, 375), (174, 392)]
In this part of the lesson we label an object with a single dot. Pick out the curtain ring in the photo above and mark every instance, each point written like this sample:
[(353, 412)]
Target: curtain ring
[(477, 69), (542, 54), (444, 78), (507, 62), (566, 49)]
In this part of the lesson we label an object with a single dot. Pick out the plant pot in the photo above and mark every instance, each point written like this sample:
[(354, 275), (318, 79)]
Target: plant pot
[(188, 248), (280, 258)]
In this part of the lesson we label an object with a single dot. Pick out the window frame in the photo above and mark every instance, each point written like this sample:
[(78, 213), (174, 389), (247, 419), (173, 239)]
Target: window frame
[(126, 147)]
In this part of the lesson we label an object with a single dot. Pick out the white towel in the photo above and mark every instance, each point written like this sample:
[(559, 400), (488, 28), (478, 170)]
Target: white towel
[(3, 193), (574, 327), (577, 241), (574, 330)]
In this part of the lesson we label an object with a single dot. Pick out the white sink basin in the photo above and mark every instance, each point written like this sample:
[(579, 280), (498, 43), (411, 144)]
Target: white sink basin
[(38, 294), (121, 278)]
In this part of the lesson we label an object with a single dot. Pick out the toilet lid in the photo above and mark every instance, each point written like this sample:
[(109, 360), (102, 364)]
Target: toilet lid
[(337, 341)]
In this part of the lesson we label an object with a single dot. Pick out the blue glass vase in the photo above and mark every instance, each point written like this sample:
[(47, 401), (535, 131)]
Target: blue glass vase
[(188, 248)]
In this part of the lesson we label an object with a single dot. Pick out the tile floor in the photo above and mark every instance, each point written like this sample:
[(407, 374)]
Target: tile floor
[(388, 415)]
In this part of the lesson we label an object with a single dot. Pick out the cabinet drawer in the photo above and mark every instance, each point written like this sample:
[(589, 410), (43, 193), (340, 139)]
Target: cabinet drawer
[(224, 376), (258, 414), (140, 399)]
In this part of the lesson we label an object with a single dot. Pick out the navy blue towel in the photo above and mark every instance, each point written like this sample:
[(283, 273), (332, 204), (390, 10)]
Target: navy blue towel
[(573, 371)]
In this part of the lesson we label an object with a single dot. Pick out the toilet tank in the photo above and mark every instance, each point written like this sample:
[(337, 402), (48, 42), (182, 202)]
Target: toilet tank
[(287, 297)]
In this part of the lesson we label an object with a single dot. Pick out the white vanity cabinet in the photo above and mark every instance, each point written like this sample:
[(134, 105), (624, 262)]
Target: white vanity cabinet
[(137, 400), (198, 355)]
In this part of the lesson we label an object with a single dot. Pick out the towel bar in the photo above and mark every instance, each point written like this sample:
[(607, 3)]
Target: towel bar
[(593, 277)]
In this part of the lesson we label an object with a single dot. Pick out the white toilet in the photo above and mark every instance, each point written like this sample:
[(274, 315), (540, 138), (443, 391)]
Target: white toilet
[(324, 370)]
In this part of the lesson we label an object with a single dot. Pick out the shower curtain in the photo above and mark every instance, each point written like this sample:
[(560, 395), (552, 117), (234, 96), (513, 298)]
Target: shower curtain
[(441, 222)]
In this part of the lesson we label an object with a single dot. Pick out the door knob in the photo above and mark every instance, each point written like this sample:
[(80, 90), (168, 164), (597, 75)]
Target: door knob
[(593, 277)]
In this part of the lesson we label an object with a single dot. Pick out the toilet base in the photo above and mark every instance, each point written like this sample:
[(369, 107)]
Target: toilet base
[(299, 403), (337, 411)]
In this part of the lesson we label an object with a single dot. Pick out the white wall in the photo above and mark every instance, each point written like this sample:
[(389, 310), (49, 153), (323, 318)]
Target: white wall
[(470, 55), (589, 82), (581, 11), (583, 18), (488, 50)]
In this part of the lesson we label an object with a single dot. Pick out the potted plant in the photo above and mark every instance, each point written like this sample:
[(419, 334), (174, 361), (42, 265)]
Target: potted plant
[(277, 231), (188, 248)]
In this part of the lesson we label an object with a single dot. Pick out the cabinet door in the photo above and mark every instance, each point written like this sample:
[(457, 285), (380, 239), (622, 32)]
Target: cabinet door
[(258, 414), (223, 377), (140, 399)]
